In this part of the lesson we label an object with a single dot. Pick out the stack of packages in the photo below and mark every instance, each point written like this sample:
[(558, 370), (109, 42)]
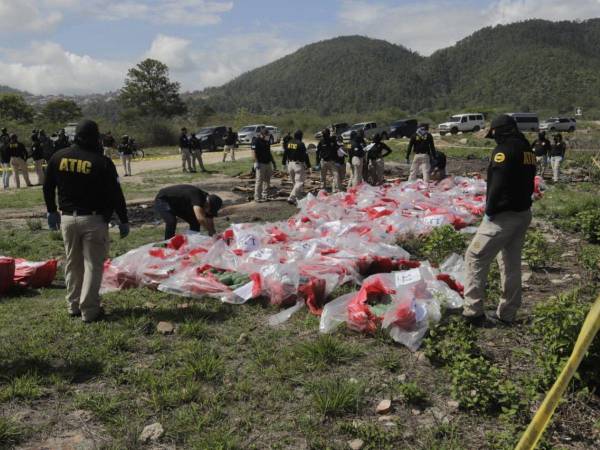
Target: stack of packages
[(333, 240)]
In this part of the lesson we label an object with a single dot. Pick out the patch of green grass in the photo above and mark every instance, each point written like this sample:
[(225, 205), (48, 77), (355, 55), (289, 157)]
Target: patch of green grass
[(24, 387), (325, 351), (11, 433), (336, 396), (412, 393), (537, 252), (374, 436)]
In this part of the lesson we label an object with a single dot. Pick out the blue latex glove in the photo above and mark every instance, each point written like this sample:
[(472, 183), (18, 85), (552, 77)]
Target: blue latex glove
[(317, 167), (123, 230), (54, 221)]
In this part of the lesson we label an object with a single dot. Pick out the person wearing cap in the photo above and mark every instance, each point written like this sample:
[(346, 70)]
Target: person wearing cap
[(186, 153), (541, 148), (263, 160), (88, 194), (125, 150), (501, 234), (424, 148), (557, 155), (108, 142), (356, 153), (377, 151), (62, 141), (231, 139), (296, 158), (37, 154), (5, 158), (327, 159), (196, 149), (190, 204), (18, 160)]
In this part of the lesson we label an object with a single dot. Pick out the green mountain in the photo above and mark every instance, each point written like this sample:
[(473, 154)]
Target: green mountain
[(526, 65)]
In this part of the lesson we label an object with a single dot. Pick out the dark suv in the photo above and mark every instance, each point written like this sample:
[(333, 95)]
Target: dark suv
[(403, 128), (211, 138)]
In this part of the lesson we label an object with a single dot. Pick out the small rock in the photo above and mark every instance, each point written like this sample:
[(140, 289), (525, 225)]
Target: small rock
[(526, 277), (353, 380), (386, 418), (242, 338), (567, 255), (152, 432), (402, 377), (415, 412), (356, 444), (384, 406), (165, 328), (453, 404), (439, 415), (183, 306), (420, 356), (558, 281), (463, 141), (149, 305), (577, 276)]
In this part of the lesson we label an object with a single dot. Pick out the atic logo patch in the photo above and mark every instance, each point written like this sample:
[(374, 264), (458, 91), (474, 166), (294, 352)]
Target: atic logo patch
[(499, 157)]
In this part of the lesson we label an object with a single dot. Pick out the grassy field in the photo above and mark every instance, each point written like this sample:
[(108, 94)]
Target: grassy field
[(226, 380)]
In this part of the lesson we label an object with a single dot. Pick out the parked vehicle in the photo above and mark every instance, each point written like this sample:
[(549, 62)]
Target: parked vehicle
[(403, 128), (462, 122), (559, 124), (336, 129), (247, 133), (526, 121), (370, 129), (211, 138), (275, 134)]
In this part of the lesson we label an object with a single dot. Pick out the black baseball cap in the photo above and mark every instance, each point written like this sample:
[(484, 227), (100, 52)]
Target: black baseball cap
[(501, 121), (214, 205)]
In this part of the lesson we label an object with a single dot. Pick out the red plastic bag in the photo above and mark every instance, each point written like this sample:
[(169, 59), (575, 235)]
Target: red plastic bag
[(7, 274), (360, 315), (35, 274)]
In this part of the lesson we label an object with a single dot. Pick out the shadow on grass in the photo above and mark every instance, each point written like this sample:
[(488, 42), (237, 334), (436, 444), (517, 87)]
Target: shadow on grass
[(75, 370), (221, 314)]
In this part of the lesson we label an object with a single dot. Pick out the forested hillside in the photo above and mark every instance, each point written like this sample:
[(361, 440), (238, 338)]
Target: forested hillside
[(527, 65)]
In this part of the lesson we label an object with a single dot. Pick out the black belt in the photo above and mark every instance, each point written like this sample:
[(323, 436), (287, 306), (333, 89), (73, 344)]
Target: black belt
[(79, 212)]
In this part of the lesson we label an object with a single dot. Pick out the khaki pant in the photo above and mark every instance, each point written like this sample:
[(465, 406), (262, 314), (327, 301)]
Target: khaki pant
[(421, 163), (377, 171), (5, 175), (197, 156), (336, 174), (229, 149), (86, 246), (501, 238), (126, 160), (542, 162), (555, 163), (297, 173), (263, 181), (357, 171), (186, 159), (19, 166), (39, 170)]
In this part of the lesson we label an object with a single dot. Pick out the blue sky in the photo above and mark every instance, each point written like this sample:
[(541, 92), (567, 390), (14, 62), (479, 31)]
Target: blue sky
[(86, 46)]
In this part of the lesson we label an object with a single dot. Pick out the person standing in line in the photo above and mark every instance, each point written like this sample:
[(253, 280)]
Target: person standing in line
[(541, 148), (296, 158), (88, 194), (501, 234), (189, 203), (37, 154), (557, 155), (263, 160), (327, 158), (231, 139), (196, 149), (375, 155), (5, 158), (126, 152), (108, 143), (424, 148), (18, 160), (356, 154), (184, 149), (46, 144), (62, 141)]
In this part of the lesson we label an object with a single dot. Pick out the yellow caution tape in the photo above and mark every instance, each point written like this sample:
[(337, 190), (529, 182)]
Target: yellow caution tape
[(542, 418)]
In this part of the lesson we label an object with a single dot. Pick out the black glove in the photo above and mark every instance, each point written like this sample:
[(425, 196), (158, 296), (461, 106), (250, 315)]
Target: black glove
[(54, 221), (123, 230)]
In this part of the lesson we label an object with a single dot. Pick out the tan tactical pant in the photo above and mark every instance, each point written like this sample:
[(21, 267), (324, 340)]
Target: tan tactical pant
[(263, 181), (297, 173), (5, 175), (555, 163), (500, 238), (336, 174), (126, 160), (39, 170), (542, 162), (357, 171), (186, 159), (86, 246), (377, 171), (421, 163), (197, 156), (229, 149), (19, 166)]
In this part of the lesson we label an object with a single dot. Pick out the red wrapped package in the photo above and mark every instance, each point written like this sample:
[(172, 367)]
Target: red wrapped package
[(35, 274), (7, 274)]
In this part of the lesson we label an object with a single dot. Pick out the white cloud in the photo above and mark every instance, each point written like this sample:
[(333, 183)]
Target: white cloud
[(427, 26), (27, 15), (173, 51)]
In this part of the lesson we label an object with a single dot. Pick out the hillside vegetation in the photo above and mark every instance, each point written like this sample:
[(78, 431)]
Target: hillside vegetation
[(526, 65)]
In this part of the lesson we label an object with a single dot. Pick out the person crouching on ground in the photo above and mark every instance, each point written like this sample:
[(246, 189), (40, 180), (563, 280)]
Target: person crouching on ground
[(263, 160), (297, 161), (190, 204), (510, 185), (438, 166)]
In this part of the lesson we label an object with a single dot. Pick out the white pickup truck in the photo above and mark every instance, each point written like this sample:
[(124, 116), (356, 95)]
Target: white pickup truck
[(370, 129), (462, 122)]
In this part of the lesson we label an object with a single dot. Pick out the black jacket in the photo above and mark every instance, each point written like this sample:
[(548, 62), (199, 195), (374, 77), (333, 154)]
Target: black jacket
[(541, 147), (86, 181), (421, 145), (262, 150), (61, 142), (4, 156), (510, 176), (378, 151), (231, 138), (355, 148), (125, 149), (558, 149), (295, 150), (17, 150), (327, 150), (184, 141), (37, 152)]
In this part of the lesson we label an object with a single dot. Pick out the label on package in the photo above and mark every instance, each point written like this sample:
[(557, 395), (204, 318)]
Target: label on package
[(408, 277)]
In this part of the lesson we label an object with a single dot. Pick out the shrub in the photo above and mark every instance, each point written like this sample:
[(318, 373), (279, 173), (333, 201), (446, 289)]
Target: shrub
[(589, 258), (412, 394), (588, 223), (33, 224), (441, 243), (537, 251), (336, 397)]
